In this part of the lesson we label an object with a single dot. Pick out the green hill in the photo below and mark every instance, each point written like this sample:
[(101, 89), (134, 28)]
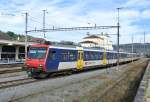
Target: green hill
[(13, 37)]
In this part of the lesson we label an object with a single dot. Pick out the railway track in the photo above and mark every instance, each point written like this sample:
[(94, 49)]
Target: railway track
[(18, 82), (12, 83), (18, 69), (10, 70)]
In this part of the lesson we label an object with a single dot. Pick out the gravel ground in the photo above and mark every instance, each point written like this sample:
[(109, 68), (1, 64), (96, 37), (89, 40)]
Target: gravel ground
[(12, 68), (6, 75), (64, 89), (13, 75), (13, 78)]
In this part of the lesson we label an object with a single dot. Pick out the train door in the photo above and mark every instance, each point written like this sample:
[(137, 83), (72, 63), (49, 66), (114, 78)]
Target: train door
[(104, 57), (52, 60), (80, 62)]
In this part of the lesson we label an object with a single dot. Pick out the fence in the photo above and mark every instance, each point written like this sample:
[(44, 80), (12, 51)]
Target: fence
[(11, 61)]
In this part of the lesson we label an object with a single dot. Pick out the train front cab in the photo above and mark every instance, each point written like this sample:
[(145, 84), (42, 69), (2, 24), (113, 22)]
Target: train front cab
[(35, 62)]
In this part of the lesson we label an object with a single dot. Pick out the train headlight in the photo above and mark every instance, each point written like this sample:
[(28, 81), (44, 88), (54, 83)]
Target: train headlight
[(40, 65), (40, 68)]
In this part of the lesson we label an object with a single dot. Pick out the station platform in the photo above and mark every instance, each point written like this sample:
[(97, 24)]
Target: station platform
[(3, 63), (143, 93), (11, 61)]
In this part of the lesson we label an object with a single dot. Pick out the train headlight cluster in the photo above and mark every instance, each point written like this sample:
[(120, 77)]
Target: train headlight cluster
[(40, 65), (40, 68)]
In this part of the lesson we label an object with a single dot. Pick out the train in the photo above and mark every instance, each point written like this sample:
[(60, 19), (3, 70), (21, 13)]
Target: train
[(43, 59)]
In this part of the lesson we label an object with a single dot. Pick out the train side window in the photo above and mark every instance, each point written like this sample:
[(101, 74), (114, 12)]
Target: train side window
[(52, 55), (96, 55), (87, 55), (80, 55), (91, 55), (101, 56), (64, 56), (71, 56)]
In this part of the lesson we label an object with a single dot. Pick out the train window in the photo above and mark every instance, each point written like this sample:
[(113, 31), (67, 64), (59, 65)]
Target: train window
[(80, 55), (86, 55), (64, 56), (89, 55), (111, 55), (72, 56), (96, 56), (37, 52), (92, 55), (101, 55), (52, 55)]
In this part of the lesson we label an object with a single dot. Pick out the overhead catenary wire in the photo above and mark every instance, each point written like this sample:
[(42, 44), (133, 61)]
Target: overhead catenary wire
[(35, 19)]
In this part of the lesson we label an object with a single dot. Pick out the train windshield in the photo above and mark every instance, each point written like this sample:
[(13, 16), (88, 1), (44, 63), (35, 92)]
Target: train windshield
[(37, 52)]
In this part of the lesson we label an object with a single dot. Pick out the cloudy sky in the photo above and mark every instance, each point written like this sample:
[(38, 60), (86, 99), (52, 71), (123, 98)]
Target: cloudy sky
[(134, 17)]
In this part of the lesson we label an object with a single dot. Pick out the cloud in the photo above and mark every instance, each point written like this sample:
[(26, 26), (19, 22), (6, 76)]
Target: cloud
[(64, 13)]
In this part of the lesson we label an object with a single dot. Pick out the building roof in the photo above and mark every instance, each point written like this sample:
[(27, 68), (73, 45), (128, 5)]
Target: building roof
[(92, 36), (8, 42), (88, 42)]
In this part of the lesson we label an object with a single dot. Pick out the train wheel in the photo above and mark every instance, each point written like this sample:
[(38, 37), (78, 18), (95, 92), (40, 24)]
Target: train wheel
[(43, 75), (39, 75)]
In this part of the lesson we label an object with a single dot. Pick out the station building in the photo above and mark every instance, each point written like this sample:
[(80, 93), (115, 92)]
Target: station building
[(97, 40), (12, 50)]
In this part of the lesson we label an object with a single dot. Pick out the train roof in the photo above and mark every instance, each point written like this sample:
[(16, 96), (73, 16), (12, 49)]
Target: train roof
[(39, 45), (70, 47)]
